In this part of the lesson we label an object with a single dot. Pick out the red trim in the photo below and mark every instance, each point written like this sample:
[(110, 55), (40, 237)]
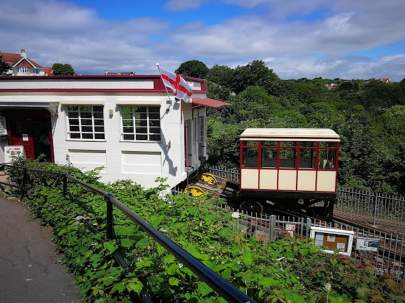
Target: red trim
[(158, 83), (259, 162), (337, 164), (318, 157), (285, 190), (82, 90)]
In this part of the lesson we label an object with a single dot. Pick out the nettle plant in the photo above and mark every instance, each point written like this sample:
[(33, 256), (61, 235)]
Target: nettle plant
[(286, 270)]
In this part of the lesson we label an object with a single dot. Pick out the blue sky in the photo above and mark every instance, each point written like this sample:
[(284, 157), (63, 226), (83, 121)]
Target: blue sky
[(346, 39)]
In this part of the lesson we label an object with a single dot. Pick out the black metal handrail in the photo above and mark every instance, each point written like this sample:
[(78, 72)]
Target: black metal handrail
[(222, 287)]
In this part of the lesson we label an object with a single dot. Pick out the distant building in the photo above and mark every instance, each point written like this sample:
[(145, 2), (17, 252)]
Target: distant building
[(331, 86), (21, 65)]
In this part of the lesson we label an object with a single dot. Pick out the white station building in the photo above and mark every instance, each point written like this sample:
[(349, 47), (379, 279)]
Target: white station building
[(125, 124)]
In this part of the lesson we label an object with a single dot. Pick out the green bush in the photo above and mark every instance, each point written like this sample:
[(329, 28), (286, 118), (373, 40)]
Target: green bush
[(286, 270)]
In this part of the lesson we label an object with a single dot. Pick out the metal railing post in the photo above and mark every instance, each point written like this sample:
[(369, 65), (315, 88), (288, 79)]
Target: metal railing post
[(375, 209), (308, 227), (110, 218)]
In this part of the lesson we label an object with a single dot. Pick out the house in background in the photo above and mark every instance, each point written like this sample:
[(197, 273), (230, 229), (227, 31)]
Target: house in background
[(21, 65), (126, 124)]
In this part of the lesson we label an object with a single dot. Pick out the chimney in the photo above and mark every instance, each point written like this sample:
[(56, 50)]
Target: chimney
[(23, 53)]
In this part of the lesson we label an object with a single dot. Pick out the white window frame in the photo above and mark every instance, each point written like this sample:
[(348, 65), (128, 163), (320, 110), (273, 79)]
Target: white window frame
[(148, 126), (80, 132), (23, 69)]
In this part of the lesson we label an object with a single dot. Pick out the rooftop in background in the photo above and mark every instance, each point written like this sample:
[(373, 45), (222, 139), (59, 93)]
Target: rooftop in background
[(21, 65), (290, 133)]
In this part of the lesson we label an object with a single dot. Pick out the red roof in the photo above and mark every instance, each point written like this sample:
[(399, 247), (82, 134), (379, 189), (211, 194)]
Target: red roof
[(208, 102), (13, 58)]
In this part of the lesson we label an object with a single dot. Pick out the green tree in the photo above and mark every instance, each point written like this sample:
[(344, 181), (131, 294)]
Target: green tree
[(4, 67), (193, 68), (62, 69), (255, 73)]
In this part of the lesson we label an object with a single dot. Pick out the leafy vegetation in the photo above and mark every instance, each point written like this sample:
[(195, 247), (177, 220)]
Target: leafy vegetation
[(368, 114), (286, 270), (60, 69)]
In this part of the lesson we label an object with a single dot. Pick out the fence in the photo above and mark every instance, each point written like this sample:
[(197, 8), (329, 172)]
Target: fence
[(389, 259), (64, 180), (371, 207)]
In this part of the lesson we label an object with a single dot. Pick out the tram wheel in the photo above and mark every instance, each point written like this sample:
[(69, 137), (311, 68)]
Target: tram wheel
[(252, 206)]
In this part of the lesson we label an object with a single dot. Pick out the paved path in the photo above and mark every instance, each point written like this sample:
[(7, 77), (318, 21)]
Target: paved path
[(29, 268)]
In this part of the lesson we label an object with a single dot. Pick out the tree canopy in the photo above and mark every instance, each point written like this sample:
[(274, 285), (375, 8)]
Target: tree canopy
[(193, 68), (4, 67), (62, 69)]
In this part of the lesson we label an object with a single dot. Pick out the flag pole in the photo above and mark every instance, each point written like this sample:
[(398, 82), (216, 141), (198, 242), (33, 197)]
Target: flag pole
[(160, 74)]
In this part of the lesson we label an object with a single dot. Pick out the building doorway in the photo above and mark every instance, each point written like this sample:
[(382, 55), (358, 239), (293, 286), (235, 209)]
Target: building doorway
[(32, 129)]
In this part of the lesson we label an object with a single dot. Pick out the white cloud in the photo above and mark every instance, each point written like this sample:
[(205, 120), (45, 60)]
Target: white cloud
[(55, 31)]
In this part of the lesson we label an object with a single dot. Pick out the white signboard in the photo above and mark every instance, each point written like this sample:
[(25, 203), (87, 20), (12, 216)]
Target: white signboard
[(367, 244), (333, 240), (3, 126), (12, 152)]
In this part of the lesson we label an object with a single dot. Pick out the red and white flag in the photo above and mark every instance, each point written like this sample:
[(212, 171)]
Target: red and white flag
[(180, 88)]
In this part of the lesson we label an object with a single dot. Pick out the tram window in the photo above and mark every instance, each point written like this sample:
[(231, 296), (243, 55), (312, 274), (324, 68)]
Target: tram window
[(308, 155), (250, 154), (287, 154), (269, 154), (327, 156)]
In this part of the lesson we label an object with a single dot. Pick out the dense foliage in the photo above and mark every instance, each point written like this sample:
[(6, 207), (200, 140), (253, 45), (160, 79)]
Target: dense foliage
[(193, 68), (4, 67), (286, 270), (369, 116), (60, 69)]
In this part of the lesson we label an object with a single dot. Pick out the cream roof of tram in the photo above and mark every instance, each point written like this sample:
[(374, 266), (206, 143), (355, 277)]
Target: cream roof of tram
[(290, 134)]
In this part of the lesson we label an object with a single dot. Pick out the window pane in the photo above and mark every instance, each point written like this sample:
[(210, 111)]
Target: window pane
[(250, 154), (98, 115), (287, 154), (87, 129), (74, 128), (327, 158), (75, 136), (86, 115), (98, 122), (141, 130), (86, 121), (154, 130), (154, 123), (87, 136), (141, 137), (269, 154), (154, 109), (99, 136), (143, 123), (128, 129), (154, 137), (73, 121), (128, 137), (99, 129), (85, 108), (127, 123), (308, 155), (126, 112), (154, 115), (73, 114)]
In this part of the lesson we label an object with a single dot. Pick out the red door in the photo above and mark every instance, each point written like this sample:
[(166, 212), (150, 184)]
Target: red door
[(21, 134), (30, 128)]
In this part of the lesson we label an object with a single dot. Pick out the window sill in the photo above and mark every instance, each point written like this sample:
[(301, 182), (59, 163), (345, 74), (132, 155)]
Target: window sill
[(87, 140), (139, 141)]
